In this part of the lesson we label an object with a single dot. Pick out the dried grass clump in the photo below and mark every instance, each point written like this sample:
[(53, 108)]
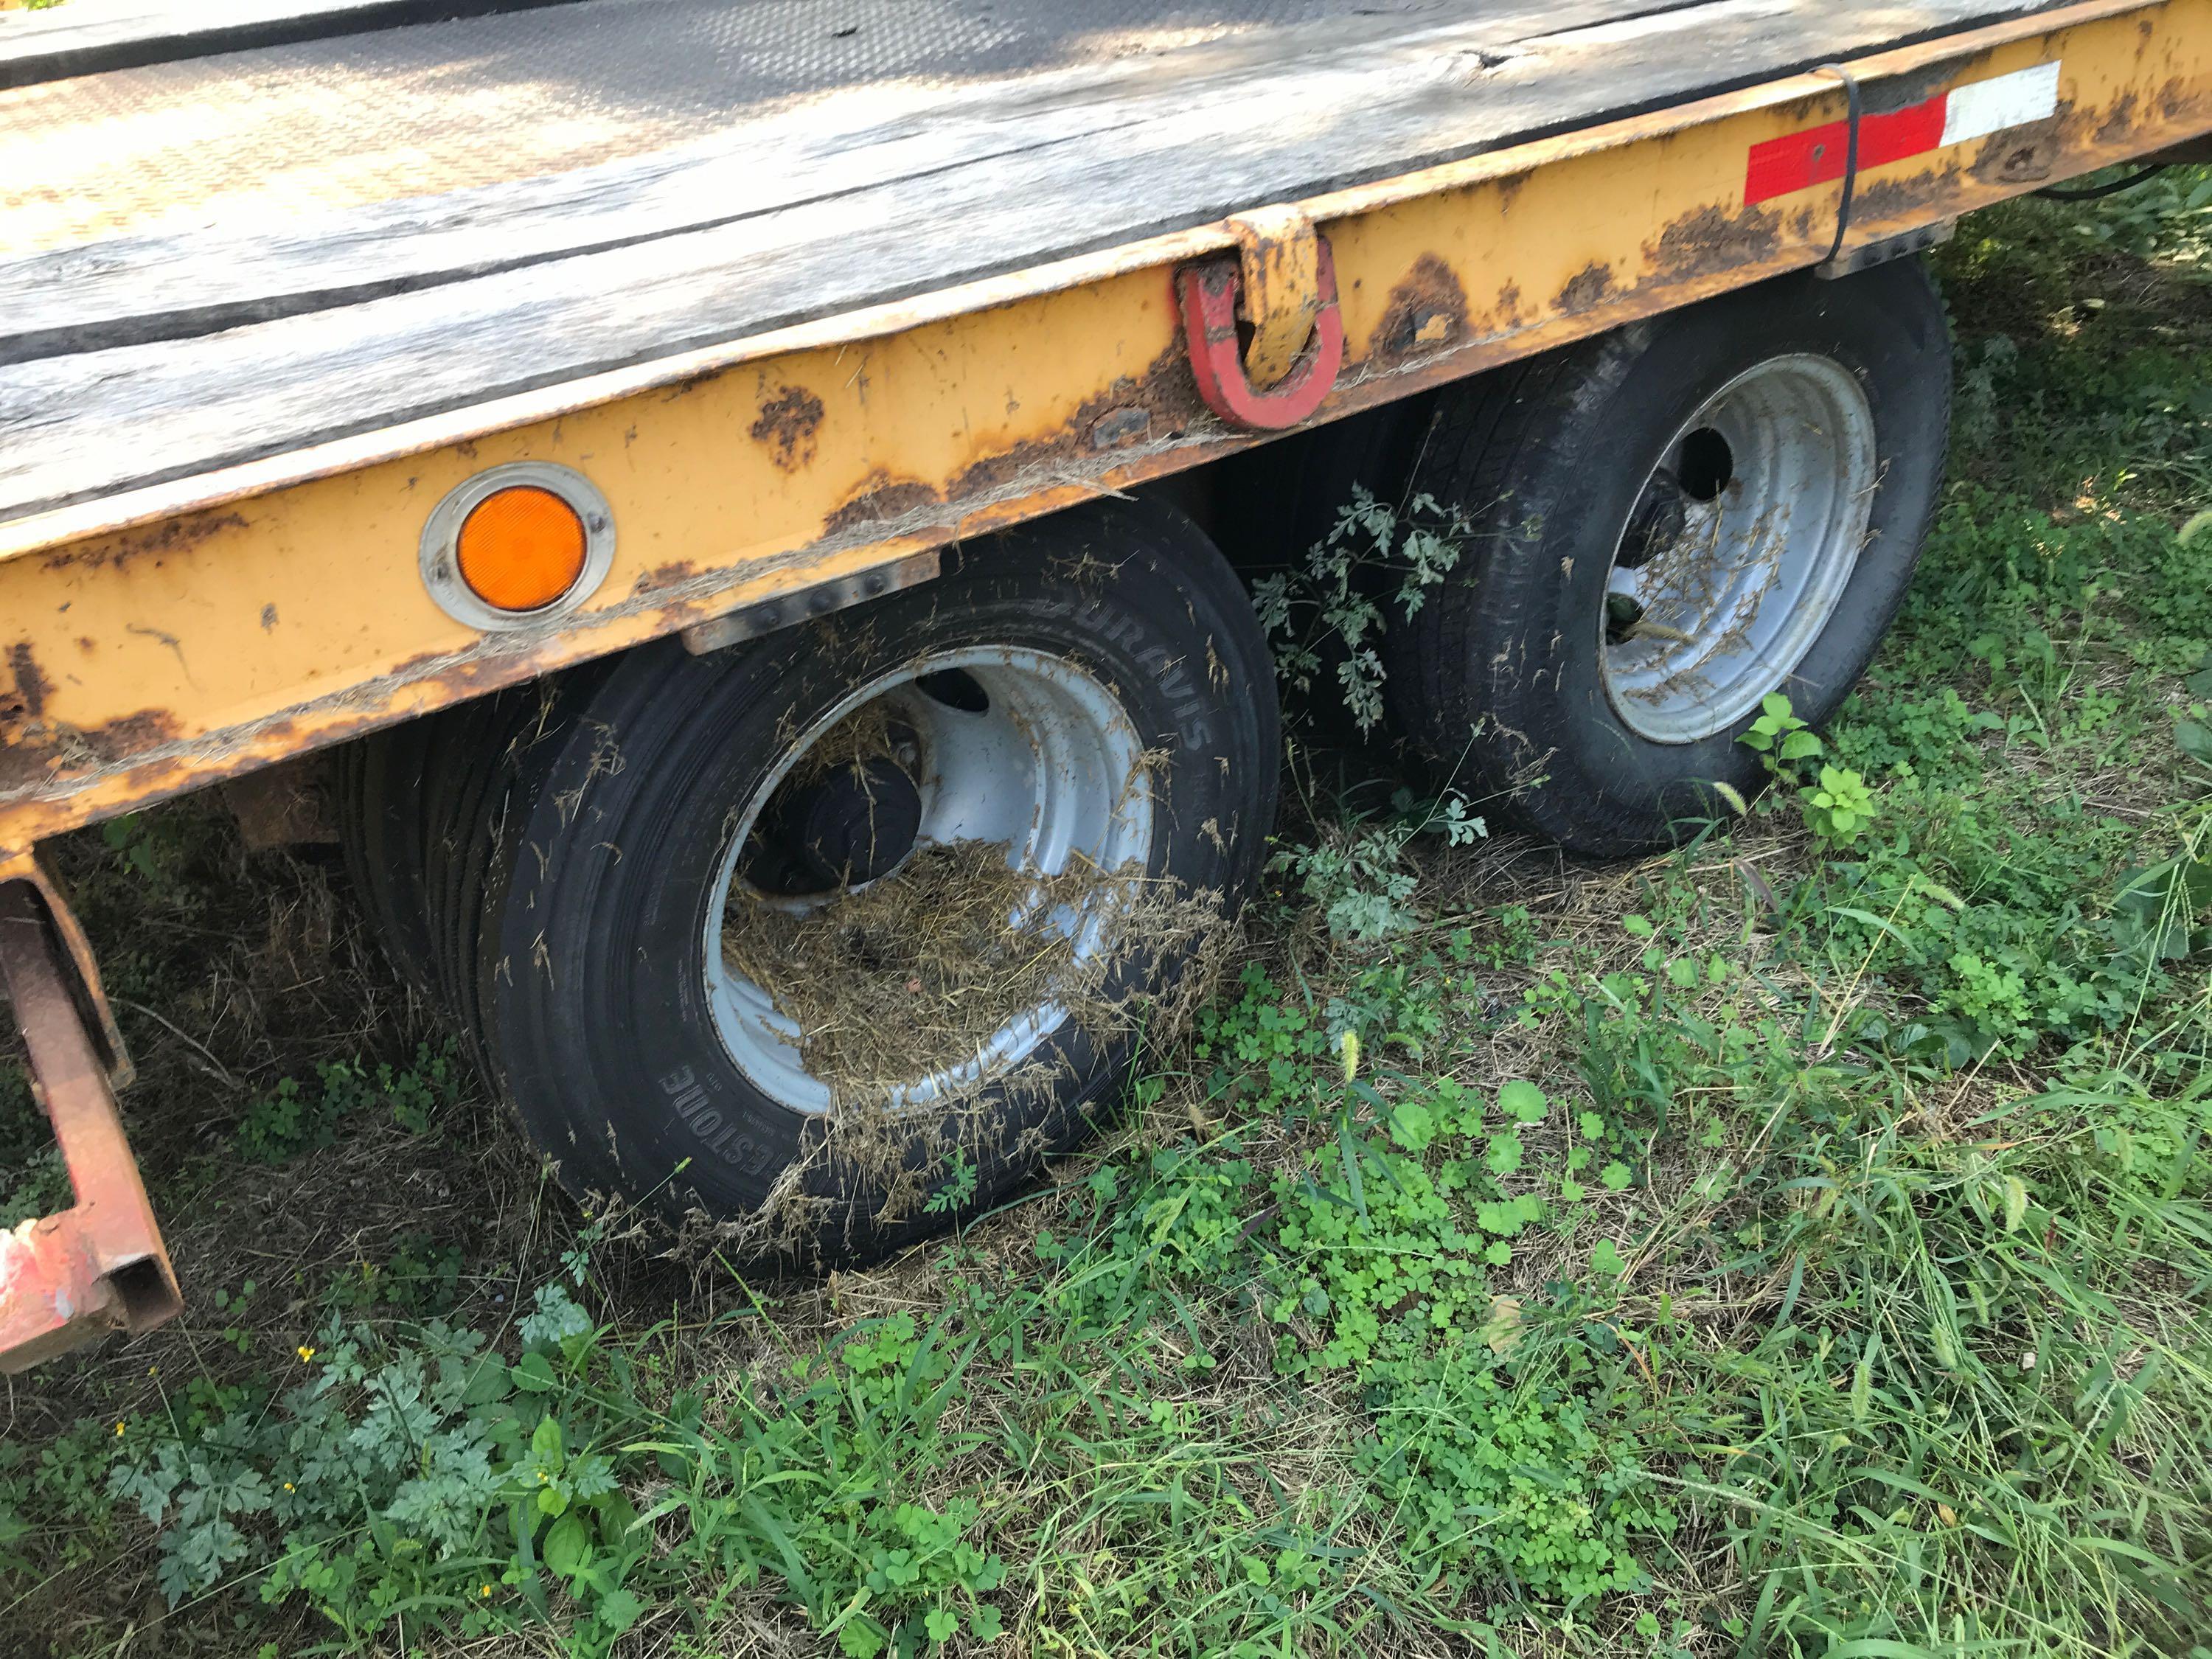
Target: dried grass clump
[(911, 975), (874, 730), (914, 974)]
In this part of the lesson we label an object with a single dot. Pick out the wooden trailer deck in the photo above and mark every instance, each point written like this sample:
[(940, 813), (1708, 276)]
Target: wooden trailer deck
[(226, 257)]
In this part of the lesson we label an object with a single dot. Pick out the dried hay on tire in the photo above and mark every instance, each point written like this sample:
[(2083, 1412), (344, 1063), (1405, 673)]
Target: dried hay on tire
[(909, 977)]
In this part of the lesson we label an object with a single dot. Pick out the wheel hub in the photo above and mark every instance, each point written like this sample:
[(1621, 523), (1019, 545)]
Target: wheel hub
[(856, 824), (1738, 549), (1018, 773)]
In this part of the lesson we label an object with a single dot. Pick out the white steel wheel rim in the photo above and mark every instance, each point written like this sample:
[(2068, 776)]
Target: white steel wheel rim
[(1052, 769), (1739, 549)]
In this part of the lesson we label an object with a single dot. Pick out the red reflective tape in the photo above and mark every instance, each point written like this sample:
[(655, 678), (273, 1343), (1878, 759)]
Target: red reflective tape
[(1802, 160)]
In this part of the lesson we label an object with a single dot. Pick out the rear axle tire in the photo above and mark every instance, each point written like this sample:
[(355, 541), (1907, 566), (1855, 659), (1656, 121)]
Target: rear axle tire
[(601, 868), (1671, 522)]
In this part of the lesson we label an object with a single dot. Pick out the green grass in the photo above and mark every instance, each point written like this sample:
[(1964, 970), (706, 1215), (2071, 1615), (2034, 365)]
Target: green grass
[(1796, 1244)]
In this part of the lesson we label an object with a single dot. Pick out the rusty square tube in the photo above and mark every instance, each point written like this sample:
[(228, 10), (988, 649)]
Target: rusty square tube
[(99, 1265)]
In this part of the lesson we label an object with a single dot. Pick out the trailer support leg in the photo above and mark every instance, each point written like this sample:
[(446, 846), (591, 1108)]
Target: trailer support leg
[(100, 1265)]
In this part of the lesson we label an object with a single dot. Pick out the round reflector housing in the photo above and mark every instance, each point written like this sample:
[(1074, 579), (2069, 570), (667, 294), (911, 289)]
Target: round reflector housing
[(520, 549), (517, 545)]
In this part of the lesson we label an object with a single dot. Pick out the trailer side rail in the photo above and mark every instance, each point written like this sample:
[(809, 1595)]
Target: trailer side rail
[(153, 650)]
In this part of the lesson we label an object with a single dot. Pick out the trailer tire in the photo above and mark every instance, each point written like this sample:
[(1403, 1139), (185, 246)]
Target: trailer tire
[(611, 822), (1675, 475)]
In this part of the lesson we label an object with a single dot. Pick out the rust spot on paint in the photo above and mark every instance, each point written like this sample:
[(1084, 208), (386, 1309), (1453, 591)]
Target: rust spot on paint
[(154, 541), (2179, 104), (1709, 240), (787, 423), (672, 574), (1124, 424), (1159, 404), (880, 498), (31, 685), (2119, 123), (1587, 288), (1426, 312), (2023, 163), (40, 751), (1897, 198), (2022, 155)]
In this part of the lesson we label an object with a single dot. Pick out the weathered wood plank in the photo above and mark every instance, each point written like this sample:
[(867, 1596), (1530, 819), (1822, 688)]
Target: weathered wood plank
[(93, 37), (74, 427), (413, 111), (249, 268)]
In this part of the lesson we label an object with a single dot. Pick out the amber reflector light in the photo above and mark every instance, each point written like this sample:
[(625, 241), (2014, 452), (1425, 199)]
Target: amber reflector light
[(520, 549)]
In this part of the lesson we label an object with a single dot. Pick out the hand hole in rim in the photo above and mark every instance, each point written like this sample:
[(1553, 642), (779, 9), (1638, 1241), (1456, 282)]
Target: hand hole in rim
[(959, 830), (1708, 464), (1738, 549), (955, 688)]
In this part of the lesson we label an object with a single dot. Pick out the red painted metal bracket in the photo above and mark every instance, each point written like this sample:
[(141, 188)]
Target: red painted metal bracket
[(101, 1266), (1208, 295)]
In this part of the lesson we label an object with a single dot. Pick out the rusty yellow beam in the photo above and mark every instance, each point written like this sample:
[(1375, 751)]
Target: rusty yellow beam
[(163, 641)]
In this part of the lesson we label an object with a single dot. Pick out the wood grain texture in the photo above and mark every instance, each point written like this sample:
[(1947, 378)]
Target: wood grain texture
[(1018, 175), (92, 37), (126, 290)]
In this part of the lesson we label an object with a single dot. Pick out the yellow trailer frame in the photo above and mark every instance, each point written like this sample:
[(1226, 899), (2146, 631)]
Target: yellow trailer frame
[(163, 640), (159, 640)]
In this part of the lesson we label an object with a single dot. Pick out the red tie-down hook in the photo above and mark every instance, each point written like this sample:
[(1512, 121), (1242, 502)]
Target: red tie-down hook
[(1286, 282)]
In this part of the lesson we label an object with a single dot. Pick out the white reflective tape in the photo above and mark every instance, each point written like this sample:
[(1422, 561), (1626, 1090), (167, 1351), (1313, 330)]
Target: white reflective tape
[(2009, 100)]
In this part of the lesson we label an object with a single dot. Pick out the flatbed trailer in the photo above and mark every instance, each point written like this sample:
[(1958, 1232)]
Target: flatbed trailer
[(783, 304)]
